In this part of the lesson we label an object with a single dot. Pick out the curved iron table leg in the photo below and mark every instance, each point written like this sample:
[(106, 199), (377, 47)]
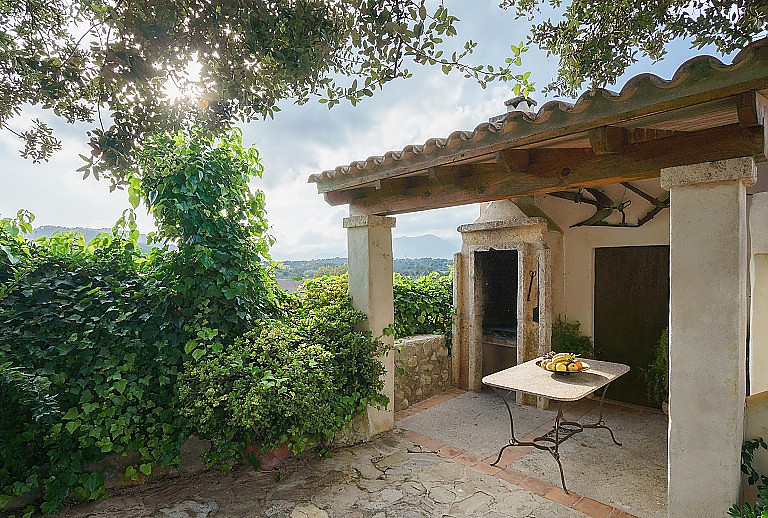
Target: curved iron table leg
[(512, 441), (501, 452), (556, 455), (560, 432), (600, 423)]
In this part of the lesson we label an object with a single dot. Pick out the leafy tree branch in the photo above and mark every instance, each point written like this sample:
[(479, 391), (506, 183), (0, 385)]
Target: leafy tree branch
[(597, 41), (126, 67)]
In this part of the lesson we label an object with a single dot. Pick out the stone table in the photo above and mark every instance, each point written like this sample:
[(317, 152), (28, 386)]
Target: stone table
[(531, 379)]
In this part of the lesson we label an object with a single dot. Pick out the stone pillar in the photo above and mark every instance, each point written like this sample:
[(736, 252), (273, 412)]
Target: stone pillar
[(707, 340), (527, 299), (544, 257), (758, 335), (369, 255), (459, 342)]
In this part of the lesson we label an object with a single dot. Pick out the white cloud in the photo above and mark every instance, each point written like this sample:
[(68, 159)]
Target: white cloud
[(307, 139)]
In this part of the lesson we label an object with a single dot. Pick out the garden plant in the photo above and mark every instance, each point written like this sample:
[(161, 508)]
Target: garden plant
[(105, 351)]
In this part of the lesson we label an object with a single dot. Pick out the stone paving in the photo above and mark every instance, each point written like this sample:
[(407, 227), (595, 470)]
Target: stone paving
[(403, 473), (389, 477), (631, 477)]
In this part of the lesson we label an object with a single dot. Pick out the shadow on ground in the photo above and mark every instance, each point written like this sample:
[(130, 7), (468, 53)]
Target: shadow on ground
[(388, 477), (632, 477)]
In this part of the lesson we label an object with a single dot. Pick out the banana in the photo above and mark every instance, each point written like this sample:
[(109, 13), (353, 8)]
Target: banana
[(563, 362), (563, 358)]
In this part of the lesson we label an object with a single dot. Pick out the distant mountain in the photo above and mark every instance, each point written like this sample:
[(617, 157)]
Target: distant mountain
[(428, 245), (88, 234), (308, 269)]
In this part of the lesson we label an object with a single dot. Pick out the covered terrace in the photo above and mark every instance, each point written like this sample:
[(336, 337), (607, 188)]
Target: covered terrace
[(699, 135)]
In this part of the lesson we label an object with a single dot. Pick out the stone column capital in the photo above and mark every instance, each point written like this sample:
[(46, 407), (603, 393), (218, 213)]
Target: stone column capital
[(734, 169), (369, 221)]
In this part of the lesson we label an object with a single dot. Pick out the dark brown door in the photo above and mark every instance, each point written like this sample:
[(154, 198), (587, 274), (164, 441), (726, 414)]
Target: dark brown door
[(631, 312)]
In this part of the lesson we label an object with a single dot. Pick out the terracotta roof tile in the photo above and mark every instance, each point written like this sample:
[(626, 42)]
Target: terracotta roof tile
[(642, 92)]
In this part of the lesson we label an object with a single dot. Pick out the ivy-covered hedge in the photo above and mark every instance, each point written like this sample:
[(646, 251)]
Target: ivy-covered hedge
[(105, 351), (423, 305), (298, 380)]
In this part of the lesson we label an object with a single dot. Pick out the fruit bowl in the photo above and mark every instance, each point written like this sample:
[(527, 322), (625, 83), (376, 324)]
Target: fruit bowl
[(562, 363)]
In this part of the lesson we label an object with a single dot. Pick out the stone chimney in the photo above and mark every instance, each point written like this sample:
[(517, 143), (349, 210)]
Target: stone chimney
[(516, 104), (520, 103)]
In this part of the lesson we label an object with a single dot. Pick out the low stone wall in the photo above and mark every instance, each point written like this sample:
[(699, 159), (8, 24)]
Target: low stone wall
[(422, 369)]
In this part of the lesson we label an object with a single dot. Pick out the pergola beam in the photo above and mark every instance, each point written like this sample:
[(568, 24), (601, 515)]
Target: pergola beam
[(552, 170), (514, 160), (607, 140)]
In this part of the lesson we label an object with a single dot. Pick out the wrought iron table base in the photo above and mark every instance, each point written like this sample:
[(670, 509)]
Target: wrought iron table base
[(560, 432)]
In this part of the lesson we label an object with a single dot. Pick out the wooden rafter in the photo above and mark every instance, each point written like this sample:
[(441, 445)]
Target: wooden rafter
[(552, 170), (606, 140)]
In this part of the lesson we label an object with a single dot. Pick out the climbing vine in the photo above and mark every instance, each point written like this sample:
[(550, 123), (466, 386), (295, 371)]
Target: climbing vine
[(104, 350), (754, 478)]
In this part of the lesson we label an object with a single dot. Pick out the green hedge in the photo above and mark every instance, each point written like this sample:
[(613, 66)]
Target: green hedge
[(298, 381), (423, 305), (106, 351), (81, 320)]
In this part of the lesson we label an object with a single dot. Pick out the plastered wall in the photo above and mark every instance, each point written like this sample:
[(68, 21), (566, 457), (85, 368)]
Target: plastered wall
[(573, 272)]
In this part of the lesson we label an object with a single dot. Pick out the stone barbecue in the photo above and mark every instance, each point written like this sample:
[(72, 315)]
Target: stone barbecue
[(502, 307)]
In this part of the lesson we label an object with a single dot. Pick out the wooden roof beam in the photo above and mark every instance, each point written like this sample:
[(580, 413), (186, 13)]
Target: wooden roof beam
[(514, 160), (554, 170), (606, 140), (747, 109)]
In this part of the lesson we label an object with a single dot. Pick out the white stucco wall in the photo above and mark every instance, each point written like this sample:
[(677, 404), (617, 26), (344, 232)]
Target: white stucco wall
[(573, 255), (756, 425), (758, 292)]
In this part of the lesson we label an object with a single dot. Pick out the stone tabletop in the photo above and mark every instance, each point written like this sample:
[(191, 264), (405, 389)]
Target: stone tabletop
[(532, 379)]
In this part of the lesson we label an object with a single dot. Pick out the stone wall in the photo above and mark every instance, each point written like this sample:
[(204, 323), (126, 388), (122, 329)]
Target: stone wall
[(422, 369)]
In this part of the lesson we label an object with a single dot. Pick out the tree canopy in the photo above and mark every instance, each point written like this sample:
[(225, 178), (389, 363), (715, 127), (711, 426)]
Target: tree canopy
[(115, 63), (597, 41)]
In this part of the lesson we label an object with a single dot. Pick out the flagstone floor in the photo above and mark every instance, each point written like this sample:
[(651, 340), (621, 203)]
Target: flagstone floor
[(418, 470)]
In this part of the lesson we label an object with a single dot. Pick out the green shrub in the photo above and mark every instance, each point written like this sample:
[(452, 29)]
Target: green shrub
[(28, 412), (567, 338), (297, 381), (657, 373), (760, 507), (81, 317), (116, 339), (423, 305)]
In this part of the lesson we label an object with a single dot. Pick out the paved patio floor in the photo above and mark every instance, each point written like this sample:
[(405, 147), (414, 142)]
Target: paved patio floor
[(434, 464), (631, 477)]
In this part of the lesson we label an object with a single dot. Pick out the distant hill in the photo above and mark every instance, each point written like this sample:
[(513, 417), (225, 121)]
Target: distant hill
[(88, 234), (428, 245), (338, 265)]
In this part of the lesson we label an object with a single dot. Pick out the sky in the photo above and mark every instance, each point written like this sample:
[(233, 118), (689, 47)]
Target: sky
[(308, 139)]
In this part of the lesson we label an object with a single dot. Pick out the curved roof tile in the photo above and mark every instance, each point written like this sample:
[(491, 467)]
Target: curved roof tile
[(695, 74)]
